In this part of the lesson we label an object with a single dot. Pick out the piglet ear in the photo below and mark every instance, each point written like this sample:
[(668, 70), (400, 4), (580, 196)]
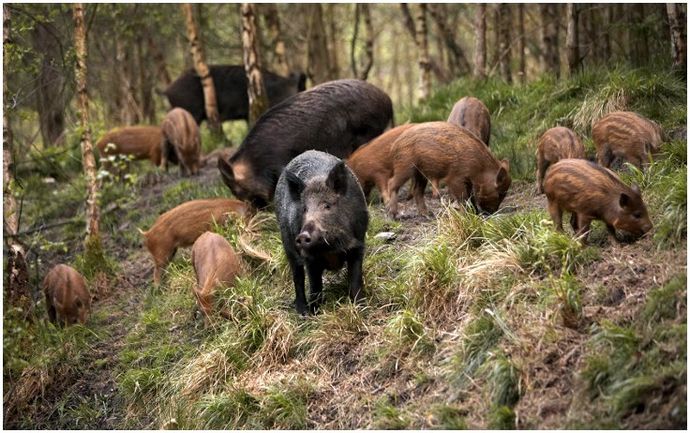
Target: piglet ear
[(501, 175), (635, 188), (624, 200), (337, 178), (295, 185)]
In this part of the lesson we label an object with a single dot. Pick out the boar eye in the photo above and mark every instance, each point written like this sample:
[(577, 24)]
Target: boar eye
[(326, 206), (637, 214)]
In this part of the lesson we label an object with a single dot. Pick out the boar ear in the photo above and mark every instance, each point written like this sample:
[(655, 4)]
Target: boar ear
[(337, 178), (226, 172), (295, 185), (624, 200), (505, 164), (635, 188), (501, 175)]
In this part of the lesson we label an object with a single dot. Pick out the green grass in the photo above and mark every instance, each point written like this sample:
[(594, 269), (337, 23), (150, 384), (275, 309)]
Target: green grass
[(520, 115), (459, 314)]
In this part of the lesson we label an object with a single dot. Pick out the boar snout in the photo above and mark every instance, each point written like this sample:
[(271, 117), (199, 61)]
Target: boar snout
[(309, 235)]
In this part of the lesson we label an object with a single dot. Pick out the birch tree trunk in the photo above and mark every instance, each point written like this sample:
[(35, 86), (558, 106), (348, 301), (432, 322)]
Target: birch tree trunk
[(89, 162), (480, 41), (676, 17), (521, 43), (504, 42), (202, 69), (16, 273), (423, 45), (258, 100), (279, 59), (572, 38)]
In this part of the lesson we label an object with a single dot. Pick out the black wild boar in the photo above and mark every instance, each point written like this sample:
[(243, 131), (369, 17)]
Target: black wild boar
[(323, 219), (230, 82), (335, 117), (590, 191)]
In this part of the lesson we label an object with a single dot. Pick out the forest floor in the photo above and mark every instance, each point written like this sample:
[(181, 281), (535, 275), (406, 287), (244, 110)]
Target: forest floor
[(469, 322)]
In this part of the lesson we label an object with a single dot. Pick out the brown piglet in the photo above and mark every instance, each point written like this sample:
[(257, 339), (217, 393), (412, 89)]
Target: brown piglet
[(556, 144), (181, 141), (442, 151), (182, 225), (590, 191), (215, 263), (372, 163), (67, 299), (627, 136), (471, 113), (142, 142)]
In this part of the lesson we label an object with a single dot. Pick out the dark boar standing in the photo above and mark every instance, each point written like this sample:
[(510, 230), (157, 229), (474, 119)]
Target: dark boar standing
[(142, 142), (67, 299), (215, 263), (335, 117), (471, 113), (627, 136), (230, 82), (182, 225), (323, 220), (442, 151), (591, 192), (556, 144), (181, 141)]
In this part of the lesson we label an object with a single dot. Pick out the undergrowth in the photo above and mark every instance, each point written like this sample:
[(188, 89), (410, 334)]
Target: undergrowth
[(465, 322)]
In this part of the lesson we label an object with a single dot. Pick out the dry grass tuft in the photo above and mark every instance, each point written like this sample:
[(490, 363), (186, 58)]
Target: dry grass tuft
[(209, 370), (32, 383), (279, 341)]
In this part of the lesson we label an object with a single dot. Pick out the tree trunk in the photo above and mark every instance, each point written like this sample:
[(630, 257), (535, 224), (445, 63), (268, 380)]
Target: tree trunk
[(608, 19), (572, 38), (202, 69), (130, 112), (424, 62), (258, 100), (460, 63), (550, 57), (353, 42), (496, 52), (272, 20), (480, 41), (148, 107), (333, 41), (17, 274), (521, 43), (641, 40), (504, 42), (318, 59), (88, 160), (162, 74), (50, 102), (363, 8), (676, 18)]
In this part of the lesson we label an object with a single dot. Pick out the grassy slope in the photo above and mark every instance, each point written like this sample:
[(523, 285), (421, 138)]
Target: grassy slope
[(469, 322)]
